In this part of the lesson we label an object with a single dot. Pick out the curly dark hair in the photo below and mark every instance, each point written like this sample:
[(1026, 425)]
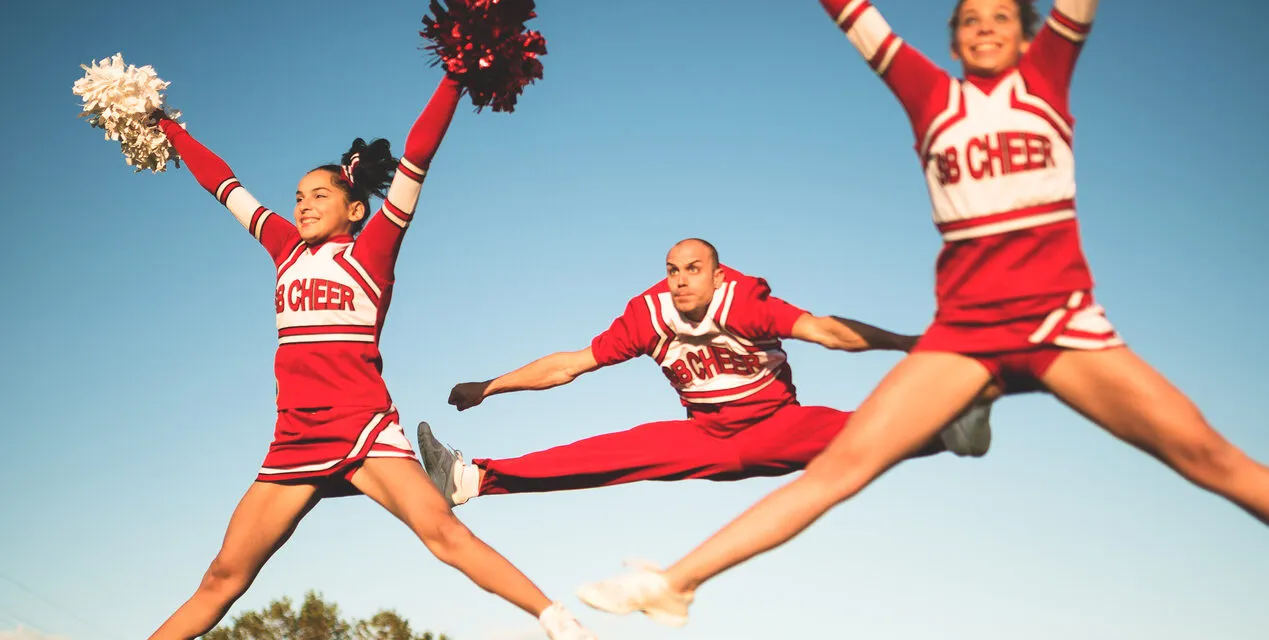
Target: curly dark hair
[(1027, 14), (372, 175)]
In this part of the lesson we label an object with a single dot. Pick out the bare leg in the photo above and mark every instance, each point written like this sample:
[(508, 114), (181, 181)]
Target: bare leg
[(1125, 396), (263, 521), (403, 488), (889, 426)]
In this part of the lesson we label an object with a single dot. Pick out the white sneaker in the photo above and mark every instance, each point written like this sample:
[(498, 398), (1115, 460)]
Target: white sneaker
[(970, 433), (559, 624), (644, 589)]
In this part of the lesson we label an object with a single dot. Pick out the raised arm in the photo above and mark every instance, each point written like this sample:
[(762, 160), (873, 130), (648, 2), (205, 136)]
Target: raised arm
[(273, 231), (916, 82), (377, 246), (544, 373), (1078, 12), (844, 334), (1057, 47), (1071, 19)]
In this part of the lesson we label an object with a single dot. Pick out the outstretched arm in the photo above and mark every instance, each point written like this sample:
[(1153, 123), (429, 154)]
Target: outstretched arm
[(277, 235), (1079, 11), (1057, 47), (845, 334), (377, 246), (546, 372), (630, 335), (915, 81)]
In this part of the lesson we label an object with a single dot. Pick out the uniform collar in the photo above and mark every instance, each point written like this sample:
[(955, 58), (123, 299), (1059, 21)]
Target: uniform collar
[(339, 239), (987, 84)]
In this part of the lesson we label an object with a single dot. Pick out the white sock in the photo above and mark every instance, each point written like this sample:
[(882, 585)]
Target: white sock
[(548, 614), (556, 618), (467, 480)]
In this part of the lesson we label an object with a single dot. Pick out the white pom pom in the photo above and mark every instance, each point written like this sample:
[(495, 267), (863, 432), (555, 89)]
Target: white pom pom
[(119, 98)]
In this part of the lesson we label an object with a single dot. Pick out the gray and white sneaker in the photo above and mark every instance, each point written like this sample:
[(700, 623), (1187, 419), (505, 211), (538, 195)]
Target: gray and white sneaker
[(441, 462), (559, 624), (970, 433)]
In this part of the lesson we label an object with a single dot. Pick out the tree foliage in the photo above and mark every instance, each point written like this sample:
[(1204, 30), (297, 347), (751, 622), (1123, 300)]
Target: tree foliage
[(316, 619)]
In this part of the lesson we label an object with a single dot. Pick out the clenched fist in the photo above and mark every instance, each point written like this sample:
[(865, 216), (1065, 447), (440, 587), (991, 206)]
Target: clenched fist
[(466, 395)]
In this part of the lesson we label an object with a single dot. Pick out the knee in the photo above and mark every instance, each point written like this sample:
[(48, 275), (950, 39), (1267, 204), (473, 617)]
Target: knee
[(837, 478), (447, 537), (1206, 459), (224, 581)]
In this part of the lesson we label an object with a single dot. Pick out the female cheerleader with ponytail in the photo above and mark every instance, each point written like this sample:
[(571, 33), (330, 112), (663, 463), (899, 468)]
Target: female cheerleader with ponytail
[(337, 430)]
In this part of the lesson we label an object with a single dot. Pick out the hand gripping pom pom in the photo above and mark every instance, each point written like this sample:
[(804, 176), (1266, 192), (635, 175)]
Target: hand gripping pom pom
[(121, 99), (484, 46)]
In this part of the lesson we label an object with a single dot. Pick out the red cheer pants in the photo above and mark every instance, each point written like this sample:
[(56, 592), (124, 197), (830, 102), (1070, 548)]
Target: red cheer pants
[(781, 443)]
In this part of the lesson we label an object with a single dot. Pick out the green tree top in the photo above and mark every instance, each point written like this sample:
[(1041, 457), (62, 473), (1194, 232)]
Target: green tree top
[(315, 620)]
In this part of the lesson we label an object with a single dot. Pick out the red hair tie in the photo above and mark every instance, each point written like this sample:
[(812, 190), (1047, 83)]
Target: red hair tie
[(348, 169)]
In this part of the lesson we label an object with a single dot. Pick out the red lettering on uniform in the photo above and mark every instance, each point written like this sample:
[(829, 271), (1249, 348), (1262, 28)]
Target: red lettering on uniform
[(319, 294), (1007, 152), (949, 170), (725, 363), (995, 154), (333, 290), (680, 371), (704, 364), (975, 170), (1037, 153), (315, 294), (979, 156), (294, 293), (694, 364), (709, 358), (669, 375), (1014, 144)]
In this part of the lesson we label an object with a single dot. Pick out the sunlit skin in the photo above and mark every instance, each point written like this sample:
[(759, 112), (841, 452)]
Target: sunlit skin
[(989, 37), (693, 276), (322, 209), (1109, 385)]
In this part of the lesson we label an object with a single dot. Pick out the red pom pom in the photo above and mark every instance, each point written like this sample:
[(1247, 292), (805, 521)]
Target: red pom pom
[(484, 46)]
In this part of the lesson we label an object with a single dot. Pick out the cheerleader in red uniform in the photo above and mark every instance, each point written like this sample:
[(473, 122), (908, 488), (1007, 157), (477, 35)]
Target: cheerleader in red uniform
[(1014, 292), (337, 430)]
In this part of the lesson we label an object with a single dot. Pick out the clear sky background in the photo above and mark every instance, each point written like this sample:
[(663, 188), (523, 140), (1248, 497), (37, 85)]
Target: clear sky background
[(138, 346)]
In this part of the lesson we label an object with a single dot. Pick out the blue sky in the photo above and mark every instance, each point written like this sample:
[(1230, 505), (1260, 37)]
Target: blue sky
[(139, 346)]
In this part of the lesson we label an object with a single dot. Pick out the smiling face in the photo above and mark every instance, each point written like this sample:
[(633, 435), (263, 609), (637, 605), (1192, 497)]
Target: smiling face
[(989, 37), (693, 273), (322, 208)]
